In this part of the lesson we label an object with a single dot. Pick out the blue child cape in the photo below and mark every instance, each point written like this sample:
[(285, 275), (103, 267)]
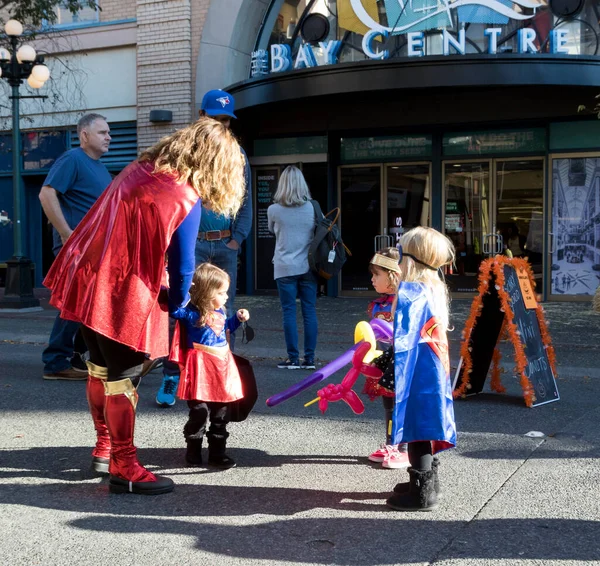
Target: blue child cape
[(424, 408)]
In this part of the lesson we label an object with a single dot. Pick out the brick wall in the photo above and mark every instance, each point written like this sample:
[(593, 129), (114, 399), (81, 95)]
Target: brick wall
[(114, 10), (199, 14), (164, 66)]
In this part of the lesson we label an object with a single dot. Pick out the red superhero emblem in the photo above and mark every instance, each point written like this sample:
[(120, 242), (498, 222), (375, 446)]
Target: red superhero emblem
[(435, 337)]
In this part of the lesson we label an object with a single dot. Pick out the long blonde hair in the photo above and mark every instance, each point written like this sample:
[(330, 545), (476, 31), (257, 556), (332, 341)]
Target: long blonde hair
[(207, 281), (436, 250), (292, 189), (206, 156)]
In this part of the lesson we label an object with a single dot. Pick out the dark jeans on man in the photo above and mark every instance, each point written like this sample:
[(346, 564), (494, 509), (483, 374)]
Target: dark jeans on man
[(224, 257), (63, 342)]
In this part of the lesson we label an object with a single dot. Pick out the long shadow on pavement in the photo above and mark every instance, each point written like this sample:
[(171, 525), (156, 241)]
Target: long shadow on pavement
[(392, 539)]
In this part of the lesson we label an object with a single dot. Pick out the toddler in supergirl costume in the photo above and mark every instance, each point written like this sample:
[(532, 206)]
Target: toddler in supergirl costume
[(210, 379), (423, 411), (385, 278)]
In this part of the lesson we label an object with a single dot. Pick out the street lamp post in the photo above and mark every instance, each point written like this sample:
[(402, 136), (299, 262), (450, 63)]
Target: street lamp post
[(16, 65)]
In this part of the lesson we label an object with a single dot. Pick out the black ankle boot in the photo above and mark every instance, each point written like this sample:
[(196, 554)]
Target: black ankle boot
[(402, 488), (193, 454), (421, 495), (216, 453)]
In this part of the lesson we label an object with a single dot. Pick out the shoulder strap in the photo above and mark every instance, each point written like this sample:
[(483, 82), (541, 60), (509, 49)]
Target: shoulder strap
[(317, 209)]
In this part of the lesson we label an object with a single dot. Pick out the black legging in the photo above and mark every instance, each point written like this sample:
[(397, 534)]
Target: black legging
[(198, 417), (120, 360), (420, 455)]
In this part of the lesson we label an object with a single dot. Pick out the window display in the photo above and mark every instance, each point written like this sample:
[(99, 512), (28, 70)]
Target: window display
[(575, 236)]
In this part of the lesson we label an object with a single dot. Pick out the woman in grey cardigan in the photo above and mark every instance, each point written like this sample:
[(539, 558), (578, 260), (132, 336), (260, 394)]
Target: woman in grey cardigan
[(292, 220)]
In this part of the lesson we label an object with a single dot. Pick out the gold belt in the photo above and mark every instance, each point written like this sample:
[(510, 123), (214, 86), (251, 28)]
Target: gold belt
[(219, 351)]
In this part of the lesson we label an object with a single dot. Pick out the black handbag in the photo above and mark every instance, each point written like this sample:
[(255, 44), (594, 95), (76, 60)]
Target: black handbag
[(239, 410)]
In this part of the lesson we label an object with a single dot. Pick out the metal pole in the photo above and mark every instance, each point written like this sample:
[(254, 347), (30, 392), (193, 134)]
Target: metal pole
[(17, 182)]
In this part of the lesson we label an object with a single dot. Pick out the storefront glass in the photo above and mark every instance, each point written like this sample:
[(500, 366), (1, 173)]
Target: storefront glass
[(360, 202), (493, 207), (466, 220), (408, 197), (519, 199), (575, 235)]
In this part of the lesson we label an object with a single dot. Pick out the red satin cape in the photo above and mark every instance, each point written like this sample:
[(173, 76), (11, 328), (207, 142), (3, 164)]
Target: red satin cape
[(108, 274)]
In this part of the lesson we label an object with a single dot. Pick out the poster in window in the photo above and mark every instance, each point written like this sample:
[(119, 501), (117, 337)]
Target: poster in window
[(575, 235)]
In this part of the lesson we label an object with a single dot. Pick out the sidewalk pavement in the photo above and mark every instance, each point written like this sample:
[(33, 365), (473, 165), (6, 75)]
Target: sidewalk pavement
[(303, 491)]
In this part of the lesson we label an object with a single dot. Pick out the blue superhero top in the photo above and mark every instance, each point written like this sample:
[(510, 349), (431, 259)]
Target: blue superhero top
[(424, 405), (212, 332), (381, 308)]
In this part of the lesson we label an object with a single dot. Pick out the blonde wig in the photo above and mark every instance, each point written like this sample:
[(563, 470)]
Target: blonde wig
[(206, 283), (292, 189), (434, 249), (206, 156), (392, 275)]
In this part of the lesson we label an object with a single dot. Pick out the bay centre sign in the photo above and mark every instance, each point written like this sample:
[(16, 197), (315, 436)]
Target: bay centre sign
[(413, 22)]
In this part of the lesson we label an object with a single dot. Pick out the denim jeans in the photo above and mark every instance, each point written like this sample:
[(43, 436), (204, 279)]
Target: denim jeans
[(305, 287), (62, 342), (57, 355), (220, 255)]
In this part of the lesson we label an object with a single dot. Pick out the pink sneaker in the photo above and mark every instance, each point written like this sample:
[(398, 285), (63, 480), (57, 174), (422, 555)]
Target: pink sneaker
[(379, 454), (395, 459)]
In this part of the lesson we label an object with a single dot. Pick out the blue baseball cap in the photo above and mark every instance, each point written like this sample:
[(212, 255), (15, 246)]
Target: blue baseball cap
[(217, 103)]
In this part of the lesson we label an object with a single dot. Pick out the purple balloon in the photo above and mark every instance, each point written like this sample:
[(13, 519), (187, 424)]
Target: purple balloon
[(383, 330), (315, 377)]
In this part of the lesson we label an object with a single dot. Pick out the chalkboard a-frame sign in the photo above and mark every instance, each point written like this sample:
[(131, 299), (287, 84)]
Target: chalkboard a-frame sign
[(506, 304)]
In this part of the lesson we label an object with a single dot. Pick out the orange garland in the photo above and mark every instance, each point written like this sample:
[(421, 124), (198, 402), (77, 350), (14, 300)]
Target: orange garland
[(495, 266)]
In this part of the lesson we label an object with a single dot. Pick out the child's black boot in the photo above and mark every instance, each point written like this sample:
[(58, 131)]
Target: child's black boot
[(217, 444), (421, 494), (403, 488), (193, 454)]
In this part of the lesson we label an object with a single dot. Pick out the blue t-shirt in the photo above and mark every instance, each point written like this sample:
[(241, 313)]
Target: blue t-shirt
[(213, 221), (79, 180)]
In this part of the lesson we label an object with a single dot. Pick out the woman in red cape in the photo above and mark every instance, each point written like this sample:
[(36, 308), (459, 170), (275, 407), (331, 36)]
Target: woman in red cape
[(109, 274)]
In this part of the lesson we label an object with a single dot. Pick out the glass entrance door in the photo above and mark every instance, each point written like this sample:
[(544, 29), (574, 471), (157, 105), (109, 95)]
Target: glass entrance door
[(519, 210), (360, 203), (467, 213), (493, 207), (378, 203), (408, 190)]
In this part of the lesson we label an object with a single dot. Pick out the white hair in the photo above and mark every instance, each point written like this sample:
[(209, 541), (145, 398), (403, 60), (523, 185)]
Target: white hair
[(292, 189)]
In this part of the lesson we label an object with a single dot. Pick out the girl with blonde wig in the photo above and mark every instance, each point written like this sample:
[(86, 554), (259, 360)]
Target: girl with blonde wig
[(423, 410), (110, 277)]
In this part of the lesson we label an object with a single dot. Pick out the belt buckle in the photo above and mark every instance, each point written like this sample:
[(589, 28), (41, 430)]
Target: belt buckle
[(211, 238)]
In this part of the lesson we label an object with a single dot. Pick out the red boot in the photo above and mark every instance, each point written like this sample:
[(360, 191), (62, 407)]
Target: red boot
[(95, 395), (127, 475)]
